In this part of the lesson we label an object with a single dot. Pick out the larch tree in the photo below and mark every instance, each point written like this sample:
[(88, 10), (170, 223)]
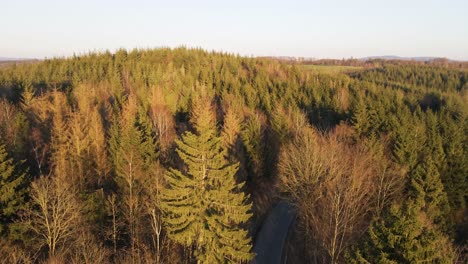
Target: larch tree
[(232, 141), (86, 138), (59, 145), (204, 206), (98, 146), (231, 128), (78, 148)]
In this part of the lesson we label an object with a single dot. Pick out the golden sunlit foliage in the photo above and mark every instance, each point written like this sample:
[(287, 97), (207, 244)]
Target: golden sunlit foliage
[(178, 155)]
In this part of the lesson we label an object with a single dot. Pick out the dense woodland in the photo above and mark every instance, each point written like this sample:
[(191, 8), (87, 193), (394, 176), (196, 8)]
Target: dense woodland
[(177, 156)]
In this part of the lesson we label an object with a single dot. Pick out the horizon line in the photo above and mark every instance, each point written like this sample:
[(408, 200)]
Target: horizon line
[(292, 57)]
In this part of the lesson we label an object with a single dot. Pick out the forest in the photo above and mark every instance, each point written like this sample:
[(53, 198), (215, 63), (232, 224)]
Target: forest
[(178, 155)]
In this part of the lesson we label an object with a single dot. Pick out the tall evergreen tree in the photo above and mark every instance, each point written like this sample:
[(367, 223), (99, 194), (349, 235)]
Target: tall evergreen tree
[(360, 118), (428, 191), (253, 135), (408, 140), (454, 177), (11, 189), (204, 205), (434, 146)]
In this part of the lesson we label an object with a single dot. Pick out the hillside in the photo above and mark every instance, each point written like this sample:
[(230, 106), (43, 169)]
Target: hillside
[(178, 155)]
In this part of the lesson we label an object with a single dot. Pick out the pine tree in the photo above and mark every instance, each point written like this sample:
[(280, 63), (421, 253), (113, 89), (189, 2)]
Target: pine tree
[(11, 189), (204, 206)]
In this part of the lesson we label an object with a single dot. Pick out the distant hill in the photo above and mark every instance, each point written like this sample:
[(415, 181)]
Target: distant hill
[(7, 59), (16, 59), (5, 62), (311, 60), (392, 57)]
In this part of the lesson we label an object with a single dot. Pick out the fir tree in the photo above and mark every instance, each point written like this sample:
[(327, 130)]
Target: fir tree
[(454, 177), (408, 140), (11, 189), (427, 190), (204, 206), (434, 146), (360, 118), (403, 235), (253, 136)]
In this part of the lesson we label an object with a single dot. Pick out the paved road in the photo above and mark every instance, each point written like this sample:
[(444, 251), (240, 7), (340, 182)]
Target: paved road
[(272, 236)]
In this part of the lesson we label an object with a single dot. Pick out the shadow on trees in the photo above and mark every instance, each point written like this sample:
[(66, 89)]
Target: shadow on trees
[(432, 101)]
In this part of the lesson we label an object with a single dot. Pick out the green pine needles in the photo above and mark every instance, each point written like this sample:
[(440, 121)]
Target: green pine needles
[(204, 206)]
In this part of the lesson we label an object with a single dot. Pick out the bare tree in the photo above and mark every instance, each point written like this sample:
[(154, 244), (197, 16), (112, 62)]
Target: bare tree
[(341, 204), (152, 202), (39, 148), (389, 180), (54, 213), (331, 183), (162, 118), (14, 254), (113, 233), (388, 176), (87, 250)]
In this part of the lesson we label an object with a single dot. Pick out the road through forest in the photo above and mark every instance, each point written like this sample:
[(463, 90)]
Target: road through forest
[(270, 242)]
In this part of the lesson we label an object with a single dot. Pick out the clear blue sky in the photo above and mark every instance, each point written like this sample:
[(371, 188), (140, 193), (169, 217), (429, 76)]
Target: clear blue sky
[(320, 29)]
